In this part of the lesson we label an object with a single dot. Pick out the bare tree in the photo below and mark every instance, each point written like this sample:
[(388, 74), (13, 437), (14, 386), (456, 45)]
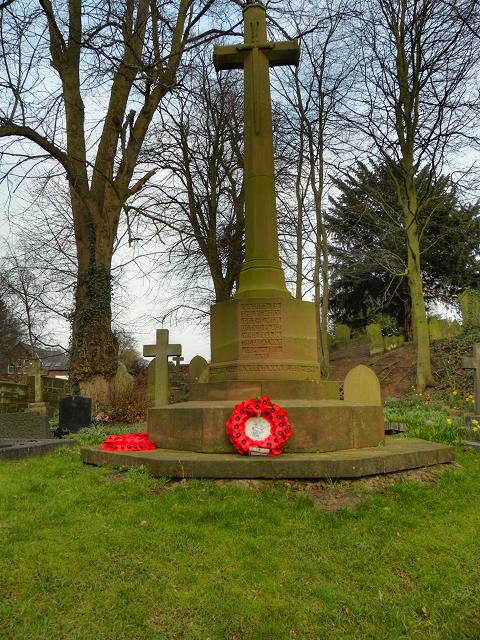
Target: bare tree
[(25, 293), (315, 95), (10, 331), (79, 85), (197, 200), (415, 106)]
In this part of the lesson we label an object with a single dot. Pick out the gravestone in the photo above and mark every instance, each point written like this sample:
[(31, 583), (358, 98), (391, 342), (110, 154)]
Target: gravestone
[(161, 351), (454, 328), (197, 366), (473, 363), (74, 413), (374, 332), (122, 381), (39, 407), (435, 329), (341, 333), (393, 342), (362, 385), (469, 301)]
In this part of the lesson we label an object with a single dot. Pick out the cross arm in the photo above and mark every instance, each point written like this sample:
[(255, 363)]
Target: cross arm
[(228, 57), (174, 350), (149, 350), (283, 53)]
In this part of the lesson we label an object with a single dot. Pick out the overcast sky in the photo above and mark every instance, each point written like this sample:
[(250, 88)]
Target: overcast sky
[(139, 310)]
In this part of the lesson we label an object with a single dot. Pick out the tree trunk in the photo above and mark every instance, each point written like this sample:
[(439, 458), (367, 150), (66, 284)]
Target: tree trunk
[(94, 348), (419, 314)]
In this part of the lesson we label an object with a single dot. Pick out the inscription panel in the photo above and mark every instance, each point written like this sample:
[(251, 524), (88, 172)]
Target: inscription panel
[(261, 329)]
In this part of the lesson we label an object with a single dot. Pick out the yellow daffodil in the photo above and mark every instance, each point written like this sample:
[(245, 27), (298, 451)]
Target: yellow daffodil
[(449, 421), (475, 422), (455, 392), (475, 429)]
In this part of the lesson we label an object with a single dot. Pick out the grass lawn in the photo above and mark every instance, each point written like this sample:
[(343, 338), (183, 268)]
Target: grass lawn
[(90, 553)]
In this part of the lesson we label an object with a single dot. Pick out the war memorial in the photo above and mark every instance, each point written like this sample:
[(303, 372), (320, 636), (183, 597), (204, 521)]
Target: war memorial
[(263, 343)]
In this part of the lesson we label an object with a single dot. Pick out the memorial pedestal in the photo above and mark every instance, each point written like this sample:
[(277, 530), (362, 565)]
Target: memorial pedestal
[(263, 339)]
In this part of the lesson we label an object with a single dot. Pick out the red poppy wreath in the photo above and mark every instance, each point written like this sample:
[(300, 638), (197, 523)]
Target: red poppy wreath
[(258, 427), (128, 442)]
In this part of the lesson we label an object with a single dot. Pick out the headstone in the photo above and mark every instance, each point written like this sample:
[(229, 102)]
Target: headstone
[(469, 301), (197, 366), (393, 342), (435, 329), (204, 376), (362, 385), (39, 407), (37, 374), (454, 328), (341, 333), (122, 381), (474, 364), (374, 332), (161, 351), (74, 413)]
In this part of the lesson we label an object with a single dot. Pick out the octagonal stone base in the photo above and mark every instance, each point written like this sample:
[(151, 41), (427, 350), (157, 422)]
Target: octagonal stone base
[(398, 454)]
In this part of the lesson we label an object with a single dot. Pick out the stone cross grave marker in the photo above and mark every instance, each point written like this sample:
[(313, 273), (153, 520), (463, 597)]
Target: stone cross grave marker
[(161, 352), (178, 361), (474, 363), (261, 269), (37, 375)]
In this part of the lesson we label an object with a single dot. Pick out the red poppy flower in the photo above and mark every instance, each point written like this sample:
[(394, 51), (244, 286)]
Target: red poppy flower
[(128, 442)]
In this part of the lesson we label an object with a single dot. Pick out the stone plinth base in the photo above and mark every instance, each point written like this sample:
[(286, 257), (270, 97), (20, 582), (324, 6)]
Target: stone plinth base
[(398, 454), (263, 339), (40, 408), (317, 425)]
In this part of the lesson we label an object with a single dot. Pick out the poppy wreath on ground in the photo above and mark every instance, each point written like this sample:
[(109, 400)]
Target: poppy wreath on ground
[(258, 427), (128, 442)]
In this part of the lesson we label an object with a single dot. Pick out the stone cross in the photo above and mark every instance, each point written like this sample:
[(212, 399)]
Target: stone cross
[(161, 351), (178, 360), (37, 375), (261, 273), (474, 363)]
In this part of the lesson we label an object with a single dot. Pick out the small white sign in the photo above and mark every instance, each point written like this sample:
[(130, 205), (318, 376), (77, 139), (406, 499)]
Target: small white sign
[(257, 428), (259, 451)]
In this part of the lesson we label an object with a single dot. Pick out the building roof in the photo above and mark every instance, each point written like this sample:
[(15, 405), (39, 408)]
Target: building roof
[(50, 359)]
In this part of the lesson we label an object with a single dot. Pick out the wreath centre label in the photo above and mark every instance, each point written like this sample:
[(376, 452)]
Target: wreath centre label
[(257, 428)]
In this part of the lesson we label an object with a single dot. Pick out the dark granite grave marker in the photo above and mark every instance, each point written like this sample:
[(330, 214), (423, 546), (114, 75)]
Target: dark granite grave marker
[(75, 412)]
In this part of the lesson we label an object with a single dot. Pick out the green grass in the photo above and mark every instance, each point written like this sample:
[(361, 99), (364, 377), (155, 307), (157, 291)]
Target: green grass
[(436, 420), (87, 553)]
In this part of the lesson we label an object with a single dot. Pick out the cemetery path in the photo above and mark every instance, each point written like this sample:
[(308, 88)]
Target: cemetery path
[(395, 369)]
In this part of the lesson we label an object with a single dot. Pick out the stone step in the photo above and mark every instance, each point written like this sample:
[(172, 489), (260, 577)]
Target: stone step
[(398, 454)]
